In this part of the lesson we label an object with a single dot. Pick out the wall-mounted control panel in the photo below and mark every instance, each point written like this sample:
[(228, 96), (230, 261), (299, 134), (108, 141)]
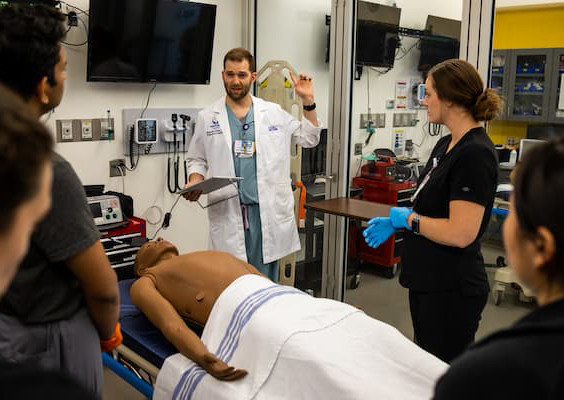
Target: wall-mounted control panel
[(83, 130)]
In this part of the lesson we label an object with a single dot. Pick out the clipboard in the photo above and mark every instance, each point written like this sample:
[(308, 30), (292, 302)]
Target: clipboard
[(211, 184)]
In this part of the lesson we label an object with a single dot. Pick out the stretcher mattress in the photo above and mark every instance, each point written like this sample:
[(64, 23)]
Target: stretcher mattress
[(139, 334)]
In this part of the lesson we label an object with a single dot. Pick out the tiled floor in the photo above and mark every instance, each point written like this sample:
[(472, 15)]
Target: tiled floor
[(387, 301)]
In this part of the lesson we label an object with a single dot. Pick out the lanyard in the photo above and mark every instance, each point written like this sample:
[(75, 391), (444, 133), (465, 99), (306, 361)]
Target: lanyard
[(425, 179)]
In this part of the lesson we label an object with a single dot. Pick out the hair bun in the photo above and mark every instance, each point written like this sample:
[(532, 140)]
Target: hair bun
[(487, 105)]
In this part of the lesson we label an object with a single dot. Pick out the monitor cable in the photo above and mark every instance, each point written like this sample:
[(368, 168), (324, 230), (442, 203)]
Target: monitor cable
[(168, 215)]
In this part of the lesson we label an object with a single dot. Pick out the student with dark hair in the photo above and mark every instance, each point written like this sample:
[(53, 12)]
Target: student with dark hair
[(442, 264), (64, 298), (26, 148), (525, 361)]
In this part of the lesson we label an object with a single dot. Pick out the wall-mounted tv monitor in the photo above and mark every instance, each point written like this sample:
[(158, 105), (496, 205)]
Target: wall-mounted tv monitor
[(442, 42), (376, 34), (150, 41)]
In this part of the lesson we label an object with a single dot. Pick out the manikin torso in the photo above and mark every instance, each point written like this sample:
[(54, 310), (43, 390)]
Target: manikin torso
[(193, 282)]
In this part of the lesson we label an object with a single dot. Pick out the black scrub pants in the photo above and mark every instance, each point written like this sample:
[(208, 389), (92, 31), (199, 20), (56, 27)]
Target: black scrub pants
[(444, 323)]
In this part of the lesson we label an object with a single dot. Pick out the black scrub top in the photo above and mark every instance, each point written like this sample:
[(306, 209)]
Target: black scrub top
[(467, 172)]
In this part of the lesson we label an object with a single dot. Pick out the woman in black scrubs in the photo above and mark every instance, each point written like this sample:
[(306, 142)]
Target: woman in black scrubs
[(442, 265), (527, 360)]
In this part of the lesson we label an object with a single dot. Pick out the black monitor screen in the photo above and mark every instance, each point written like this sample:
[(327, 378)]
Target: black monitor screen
[(376, 44), (150, 40), (96, 209), (435, 50)]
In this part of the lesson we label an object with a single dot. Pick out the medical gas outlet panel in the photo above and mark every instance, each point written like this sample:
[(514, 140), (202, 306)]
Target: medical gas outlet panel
[(157, 130)]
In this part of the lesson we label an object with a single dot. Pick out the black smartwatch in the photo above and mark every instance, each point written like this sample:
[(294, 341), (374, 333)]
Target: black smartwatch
[(311, 107), (415, 224)]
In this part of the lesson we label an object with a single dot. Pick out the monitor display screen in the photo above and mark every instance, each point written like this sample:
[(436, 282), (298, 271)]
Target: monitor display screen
[(526, 144), (435, 50), (376, 34), (376, 44), (441, 43), (150, 41), (96, 209)]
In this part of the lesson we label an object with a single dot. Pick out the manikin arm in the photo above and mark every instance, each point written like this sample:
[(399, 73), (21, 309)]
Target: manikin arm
[(163, 315)]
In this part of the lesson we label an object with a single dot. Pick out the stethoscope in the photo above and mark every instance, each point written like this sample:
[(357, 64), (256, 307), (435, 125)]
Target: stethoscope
[(173, 183)]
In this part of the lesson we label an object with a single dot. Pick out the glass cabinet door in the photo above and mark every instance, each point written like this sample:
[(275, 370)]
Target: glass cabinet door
[(530, 94), (556, 100), (500, 76)]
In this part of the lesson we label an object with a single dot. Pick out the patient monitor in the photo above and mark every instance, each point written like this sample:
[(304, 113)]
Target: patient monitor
[(146, 131)]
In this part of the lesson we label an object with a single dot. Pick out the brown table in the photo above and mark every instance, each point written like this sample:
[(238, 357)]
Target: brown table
[(351, 208)]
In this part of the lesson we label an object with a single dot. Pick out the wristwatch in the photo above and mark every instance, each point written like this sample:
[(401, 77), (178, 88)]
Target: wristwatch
[(311, 107), (415, 224)]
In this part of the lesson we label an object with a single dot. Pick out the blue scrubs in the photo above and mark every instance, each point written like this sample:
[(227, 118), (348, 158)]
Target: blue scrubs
[(247, 168)]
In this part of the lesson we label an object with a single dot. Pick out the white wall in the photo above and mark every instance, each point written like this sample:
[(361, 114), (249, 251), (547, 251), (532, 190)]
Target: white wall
[(382, 87), (147, 185)]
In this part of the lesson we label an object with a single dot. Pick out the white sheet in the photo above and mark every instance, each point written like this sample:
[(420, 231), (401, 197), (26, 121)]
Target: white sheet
[(295, 346)]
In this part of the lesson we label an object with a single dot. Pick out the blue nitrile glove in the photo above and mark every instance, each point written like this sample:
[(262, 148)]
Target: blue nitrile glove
[(379, 230), (400, 217)]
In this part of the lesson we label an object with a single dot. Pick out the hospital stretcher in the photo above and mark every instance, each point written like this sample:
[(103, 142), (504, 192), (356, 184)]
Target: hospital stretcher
[(144, 348)]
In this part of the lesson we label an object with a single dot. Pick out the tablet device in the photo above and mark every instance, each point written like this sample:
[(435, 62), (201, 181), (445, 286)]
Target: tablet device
[(212, 184)]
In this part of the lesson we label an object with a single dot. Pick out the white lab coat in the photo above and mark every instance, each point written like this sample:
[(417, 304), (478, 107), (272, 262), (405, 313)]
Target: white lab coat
[(210, 154)]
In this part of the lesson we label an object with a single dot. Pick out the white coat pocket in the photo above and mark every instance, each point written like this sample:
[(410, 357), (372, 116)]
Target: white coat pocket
[(283, 201)]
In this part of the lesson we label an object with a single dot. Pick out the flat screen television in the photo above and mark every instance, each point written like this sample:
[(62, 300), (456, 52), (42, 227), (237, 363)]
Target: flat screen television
[(435, 50), (376, 34), (441, 43), (165, 41)]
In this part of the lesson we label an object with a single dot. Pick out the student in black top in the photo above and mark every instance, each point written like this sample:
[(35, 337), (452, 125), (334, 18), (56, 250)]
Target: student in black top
[(442, 265), (527, 360)]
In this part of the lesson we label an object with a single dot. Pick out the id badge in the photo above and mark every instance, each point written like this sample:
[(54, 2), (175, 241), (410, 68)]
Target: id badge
[(244, 148)]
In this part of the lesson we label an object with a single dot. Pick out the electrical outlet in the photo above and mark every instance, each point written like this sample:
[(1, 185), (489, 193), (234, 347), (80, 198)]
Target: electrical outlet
[(86, 130), (66, 130), (106, 129), (358, 149), (511, 141), (115, 170)]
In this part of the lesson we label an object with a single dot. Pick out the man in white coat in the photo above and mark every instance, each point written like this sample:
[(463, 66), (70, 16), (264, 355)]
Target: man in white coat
[(242, 135)]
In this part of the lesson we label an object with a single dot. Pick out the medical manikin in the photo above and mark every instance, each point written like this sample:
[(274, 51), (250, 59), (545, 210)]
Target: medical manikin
[(174, 288)]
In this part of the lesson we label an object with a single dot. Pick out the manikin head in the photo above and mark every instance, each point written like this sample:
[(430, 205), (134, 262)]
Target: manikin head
[(533, 232), (26, 175), (33, 61), (238, 73), (455, 85), (151, 253)]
